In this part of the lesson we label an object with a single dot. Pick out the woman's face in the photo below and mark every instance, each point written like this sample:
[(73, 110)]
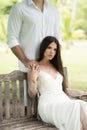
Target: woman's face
[(50, 51)]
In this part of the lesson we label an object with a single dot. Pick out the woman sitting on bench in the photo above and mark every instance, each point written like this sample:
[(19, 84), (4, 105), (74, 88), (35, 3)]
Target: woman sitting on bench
[(54, 105)]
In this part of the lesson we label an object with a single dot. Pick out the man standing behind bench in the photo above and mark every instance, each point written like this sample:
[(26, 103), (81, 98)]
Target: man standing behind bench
[(29, 22)]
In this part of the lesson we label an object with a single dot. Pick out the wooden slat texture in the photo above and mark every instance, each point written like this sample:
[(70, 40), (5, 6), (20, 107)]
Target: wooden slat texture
[(15, 75), (22, 107), (1, 111), (29, 103), (25, 124), (14, 99), (13, 106), (29, 106), (7, 99), (34, 105)]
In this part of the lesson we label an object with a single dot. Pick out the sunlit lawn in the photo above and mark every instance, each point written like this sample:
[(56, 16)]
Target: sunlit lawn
[(76, 61), (8, 62), (74, 58)]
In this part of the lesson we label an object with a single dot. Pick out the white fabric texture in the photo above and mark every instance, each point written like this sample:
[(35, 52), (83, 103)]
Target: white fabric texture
[(55, 106), (27, 26)]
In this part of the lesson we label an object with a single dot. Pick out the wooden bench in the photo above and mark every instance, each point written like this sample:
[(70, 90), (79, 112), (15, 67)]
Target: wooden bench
[(14, 115)]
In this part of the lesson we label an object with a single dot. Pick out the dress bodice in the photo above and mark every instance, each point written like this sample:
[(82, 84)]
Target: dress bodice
[(47, 83)]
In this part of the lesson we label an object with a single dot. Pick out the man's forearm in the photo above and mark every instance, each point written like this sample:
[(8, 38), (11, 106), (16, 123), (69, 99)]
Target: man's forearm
[(17, 50)]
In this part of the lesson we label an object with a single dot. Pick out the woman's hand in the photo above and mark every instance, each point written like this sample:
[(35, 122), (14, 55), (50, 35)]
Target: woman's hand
[(33, 72), (32, 80)]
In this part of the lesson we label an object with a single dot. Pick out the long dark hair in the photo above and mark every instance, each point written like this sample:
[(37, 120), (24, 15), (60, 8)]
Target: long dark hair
[(56, 61)]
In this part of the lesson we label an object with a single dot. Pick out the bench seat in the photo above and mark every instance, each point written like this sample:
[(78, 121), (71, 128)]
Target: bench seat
[(25, 124)]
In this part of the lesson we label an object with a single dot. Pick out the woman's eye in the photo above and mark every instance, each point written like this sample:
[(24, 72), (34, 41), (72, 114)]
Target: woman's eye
[(49, 47), (55, 49)]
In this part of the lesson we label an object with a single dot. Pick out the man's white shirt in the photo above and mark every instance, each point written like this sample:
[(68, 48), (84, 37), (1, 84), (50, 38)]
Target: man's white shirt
[(27, 26)]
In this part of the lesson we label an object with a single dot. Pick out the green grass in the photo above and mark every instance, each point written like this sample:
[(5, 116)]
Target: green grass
[(76, 61), (8, 62), (75, 58)]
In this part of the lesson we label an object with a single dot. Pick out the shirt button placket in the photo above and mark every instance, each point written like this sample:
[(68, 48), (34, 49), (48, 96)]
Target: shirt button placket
[(43, 26)]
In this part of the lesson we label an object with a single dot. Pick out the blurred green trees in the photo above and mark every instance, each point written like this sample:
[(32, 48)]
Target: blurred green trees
[(71, 20), (4, 12)]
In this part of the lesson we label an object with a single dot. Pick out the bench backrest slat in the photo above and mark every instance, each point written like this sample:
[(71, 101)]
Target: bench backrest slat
[(14, 98), (7, 99), (22, 108)]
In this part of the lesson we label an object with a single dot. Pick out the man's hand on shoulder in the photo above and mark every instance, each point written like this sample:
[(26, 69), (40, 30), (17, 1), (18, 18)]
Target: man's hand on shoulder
[(30, 63)]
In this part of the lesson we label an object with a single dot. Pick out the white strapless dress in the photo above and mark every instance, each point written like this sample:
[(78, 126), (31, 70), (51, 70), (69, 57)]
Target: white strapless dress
[(54, 106)]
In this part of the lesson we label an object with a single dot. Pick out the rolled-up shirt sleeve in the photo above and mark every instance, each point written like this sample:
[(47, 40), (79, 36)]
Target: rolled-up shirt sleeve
[(14, 26)]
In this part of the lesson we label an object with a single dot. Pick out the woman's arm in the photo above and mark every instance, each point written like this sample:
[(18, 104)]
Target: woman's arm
[(76, 93), (32, 88), (32, 80)]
